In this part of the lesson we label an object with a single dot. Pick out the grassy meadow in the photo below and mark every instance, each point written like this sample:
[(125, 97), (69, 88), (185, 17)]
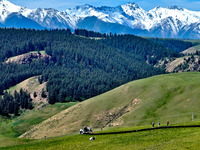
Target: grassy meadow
[(182, 138), (10, 129), (135, 105)]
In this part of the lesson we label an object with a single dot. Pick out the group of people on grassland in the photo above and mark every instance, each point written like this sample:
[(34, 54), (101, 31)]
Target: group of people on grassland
[(159, 124), (87, 130)]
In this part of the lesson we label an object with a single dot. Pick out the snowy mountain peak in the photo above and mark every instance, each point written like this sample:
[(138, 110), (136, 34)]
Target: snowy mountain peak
[(86, 6), (132, 5), (172, 21), (4, 1), (7, 8), (38, 10), (158, 7), (133, 9), (175, 8), (4, 4)]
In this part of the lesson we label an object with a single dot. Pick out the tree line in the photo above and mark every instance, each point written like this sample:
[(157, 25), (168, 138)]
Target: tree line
[(173, 44), (12, 104)]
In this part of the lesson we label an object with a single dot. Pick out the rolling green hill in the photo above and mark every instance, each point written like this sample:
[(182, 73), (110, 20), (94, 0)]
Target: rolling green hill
[(170, 97)]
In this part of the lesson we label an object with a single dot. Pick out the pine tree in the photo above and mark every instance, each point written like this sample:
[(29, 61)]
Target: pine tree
[(16, 109), (34, 94), (43, 94)]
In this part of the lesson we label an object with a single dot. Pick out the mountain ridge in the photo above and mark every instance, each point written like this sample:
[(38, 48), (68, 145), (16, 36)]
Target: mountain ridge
[(173, 21)]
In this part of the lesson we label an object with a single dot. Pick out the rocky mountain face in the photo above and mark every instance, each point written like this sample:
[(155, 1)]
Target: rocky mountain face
[(174, 22)]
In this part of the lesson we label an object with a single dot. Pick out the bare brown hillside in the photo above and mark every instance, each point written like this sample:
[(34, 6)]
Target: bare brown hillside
[(28, 58), (190, 50), (184, 64)]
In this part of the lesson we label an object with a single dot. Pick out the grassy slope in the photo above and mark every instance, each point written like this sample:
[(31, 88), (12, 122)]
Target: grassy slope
[(193, 49), (172, 65), (184, 138), (30, 84), (10, 129), (165, 97), (26, 121)]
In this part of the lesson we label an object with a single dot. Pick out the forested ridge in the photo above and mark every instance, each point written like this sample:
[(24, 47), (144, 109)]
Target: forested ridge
[(79, 67), (173, 44)]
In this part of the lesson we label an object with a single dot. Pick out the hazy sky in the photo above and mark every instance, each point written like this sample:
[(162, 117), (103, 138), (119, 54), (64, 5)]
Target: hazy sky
[(145, 4)]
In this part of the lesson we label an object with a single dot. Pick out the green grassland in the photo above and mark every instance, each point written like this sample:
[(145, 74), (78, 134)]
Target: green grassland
[(131, 106), (170, 97), (179, 138), (27, 120), (10, 129)]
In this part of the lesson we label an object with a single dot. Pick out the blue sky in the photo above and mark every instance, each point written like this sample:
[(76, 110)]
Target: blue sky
[(145, 4)]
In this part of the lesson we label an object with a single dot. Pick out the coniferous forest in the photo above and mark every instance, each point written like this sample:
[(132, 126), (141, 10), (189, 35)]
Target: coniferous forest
[(11, 104), (80, 67)]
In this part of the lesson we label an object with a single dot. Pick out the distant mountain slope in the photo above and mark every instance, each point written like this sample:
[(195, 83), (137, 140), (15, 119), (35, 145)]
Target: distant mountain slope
[(15, 20), (158, 98), (173, 22), (97, 25)]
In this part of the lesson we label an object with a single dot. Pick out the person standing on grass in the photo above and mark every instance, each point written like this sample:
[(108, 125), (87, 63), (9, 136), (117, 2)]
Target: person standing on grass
[(85, 129), (152, 124), (167, 123), (159, 124), (81, 131)]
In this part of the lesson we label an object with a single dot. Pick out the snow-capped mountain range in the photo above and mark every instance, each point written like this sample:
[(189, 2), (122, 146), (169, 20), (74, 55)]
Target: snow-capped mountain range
[(173, 21)]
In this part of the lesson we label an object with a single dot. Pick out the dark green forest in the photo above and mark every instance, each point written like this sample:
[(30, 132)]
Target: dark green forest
[(173, 44), (11, 104), (79, 67)]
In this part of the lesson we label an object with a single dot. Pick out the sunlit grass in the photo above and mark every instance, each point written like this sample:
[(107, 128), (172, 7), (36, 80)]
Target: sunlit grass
[(180, 138)]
